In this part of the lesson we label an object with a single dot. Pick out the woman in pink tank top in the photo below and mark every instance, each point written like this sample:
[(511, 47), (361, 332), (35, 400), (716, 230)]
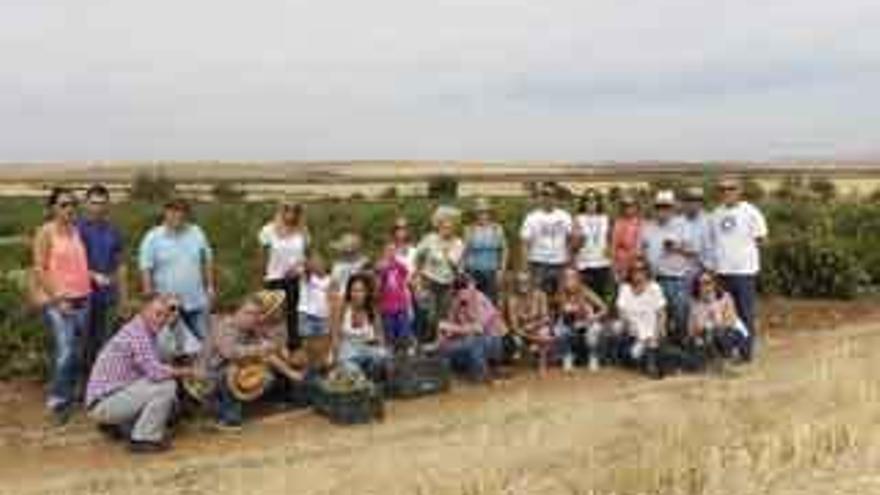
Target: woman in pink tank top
[(63, 285), (626, 237)]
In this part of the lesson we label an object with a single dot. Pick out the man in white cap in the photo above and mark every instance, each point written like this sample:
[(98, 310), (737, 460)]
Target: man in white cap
[(663, 245), (738, 228)]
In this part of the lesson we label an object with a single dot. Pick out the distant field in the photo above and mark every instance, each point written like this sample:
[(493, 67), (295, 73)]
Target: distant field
[(344, 179)]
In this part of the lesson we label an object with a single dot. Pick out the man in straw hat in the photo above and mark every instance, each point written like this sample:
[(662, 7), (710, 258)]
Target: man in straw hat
[(245, 355), (663, 245), (546, 240), (738, 228), (129, 385)]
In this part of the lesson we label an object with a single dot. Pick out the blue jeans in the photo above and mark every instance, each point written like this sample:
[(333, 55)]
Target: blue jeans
[(369, 359), (197, 321), (743, 290), (675, 290), (311, 325), (398, 328), (471, 354), (230, 411), (68, 330)]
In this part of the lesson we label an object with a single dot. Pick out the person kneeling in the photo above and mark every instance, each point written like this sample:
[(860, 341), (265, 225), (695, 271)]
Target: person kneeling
[(130, 391), (357, 329), (246, 356), (471, 333), (716, 330), (528, 314), (580, 314), (641, 307)]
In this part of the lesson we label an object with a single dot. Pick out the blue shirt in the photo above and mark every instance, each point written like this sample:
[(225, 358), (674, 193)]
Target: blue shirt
[(175, 260), (663, 262), (484, 248), (103, 244), (698, 239)]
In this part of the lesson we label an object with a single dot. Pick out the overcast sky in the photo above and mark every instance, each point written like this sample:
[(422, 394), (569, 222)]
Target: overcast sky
[(439, 79)]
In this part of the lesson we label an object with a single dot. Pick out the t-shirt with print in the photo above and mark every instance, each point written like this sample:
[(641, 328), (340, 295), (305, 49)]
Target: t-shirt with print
[(314, 291), (593, 231), (735, 230), (546, 234), (285, 252), (639, 311), (440, 257), (655, 236)]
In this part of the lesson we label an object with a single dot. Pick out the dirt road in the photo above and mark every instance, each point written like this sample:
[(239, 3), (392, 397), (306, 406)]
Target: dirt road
[(801, 420)]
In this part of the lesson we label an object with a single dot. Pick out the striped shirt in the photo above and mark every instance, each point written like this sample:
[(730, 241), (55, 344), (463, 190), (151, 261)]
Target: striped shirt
[(128, 357)]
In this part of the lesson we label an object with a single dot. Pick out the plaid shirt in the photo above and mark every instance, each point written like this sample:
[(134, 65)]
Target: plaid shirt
[(129, 356)]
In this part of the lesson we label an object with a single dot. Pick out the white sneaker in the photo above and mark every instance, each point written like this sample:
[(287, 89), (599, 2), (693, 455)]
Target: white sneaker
[(594, 364), (567, 363)]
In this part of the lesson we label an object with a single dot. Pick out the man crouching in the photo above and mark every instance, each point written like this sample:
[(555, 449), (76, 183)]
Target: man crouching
[(245, 356), (130, 388)]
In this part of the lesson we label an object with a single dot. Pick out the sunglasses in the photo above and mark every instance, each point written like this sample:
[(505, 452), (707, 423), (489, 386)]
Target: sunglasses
[(67, 204)]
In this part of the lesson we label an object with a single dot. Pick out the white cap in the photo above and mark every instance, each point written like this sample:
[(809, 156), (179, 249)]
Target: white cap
[(665, 197)]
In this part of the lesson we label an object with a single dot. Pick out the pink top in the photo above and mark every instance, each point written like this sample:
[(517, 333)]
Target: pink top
[(67, 266), (471, 306), (394, 294), (626, 240)]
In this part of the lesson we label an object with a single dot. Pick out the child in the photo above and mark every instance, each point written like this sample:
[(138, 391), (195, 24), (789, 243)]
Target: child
[(528, 314), (395, 300), (580, 312), (318, 294)]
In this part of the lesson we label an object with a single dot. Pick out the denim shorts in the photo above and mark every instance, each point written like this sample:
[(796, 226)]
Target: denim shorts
[(311, 325)]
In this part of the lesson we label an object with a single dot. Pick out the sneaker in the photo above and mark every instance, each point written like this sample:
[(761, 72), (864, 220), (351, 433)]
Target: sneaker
[(594, 364), (568, 363), (223, 427), (60, 415), (146, 447)]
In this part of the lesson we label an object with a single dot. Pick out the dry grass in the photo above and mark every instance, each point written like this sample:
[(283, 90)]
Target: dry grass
[(761, 432)]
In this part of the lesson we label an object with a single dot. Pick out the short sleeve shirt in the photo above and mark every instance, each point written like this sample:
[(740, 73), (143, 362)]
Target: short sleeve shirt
[(547, 233), (735, 231), (440, 257), (640, 311), (284, 252), (175, 261), (664, 262)]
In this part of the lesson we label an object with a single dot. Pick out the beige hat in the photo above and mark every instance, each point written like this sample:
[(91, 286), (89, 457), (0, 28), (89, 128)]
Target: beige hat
[(482, 204), (694, 194), (347, 243), (247, 380), (271, 302), (627, 199), (665, 198)]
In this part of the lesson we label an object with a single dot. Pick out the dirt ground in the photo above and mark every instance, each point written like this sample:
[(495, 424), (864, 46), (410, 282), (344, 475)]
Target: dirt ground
[(524, 435)]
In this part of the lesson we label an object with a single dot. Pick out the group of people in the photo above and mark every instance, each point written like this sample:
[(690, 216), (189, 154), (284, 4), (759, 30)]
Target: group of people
[(592, 289)]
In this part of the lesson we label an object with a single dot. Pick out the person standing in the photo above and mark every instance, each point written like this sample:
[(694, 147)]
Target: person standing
[(626, 237), (104, 250), (485, 258), (438, 263), (592, 228), (546, 241), (129, 385), (663, 245), (697, 243), (62, 286), (175, 258), (738, 229), (284, 247)]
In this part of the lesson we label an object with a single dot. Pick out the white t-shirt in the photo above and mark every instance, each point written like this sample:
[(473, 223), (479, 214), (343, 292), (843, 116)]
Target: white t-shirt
[(284, 252), (313, 294), (363, 333), (639, 311), (547, 236), (664, 262), (735, 231), (593, 230)]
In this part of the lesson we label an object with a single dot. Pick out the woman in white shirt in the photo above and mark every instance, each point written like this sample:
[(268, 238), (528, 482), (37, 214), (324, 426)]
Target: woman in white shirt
[(592, 233), (356, 328), (642, 309), (284, 246)]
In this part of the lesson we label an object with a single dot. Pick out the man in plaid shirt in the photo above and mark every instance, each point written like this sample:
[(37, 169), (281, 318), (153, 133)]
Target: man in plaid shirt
[(129, 384)]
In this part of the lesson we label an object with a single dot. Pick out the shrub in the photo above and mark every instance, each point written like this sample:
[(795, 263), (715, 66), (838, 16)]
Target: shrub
[(823, 187), (152, 185), (804, 267), (22, 337), (443, 187), (389, 192), (226, 192)]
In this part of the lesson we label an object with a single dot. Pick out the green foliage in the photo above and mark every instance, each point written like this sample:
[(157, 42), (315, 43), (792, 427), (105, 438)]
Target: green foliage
[(443, 187), (22, 337), (805, 267), (152, 185), (823, 187), (226, 192)]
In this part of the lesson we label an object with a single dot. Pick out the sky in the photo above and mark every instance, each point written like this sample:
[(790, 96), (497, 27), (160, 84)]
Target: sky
[(590, 80)]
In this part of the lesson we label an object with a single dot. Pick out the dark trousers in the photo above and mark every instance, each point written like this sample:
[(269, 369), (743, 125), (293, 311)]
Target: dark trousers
[(546, 276), (290, 286), (743, 290), (98, 333), (600, 281), (487, 283)]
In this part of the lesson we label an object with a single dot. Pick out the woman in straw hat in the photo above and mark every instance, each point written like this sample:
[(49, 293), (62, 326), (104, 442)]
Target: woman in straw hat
[(438, 262), (485, 257), (284, 246)]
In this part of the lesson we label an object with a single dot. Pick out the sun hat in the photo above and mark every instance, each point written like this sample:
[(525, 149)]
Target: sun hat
[(247, 380), (271, 302), (694, 194), (627, 199), (665, 198), (482, 204), (347, 243)]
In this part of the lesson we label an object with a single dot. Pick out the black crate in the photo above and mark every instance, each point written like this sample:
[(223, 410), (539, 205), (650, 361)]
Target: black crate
[(417, 376), (358, 406)]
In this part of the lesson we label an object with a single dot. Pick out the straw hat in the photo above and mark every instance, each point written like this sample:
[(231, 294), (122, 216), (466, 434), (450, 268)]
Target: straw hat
[(665, 198), (347, 243), (271, 302), (694, 194), (445, 212), (247, 380)]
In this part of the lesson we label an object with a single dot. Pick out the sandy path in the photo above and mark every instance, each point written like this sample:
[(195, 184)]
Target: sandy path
[(560, 435)]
